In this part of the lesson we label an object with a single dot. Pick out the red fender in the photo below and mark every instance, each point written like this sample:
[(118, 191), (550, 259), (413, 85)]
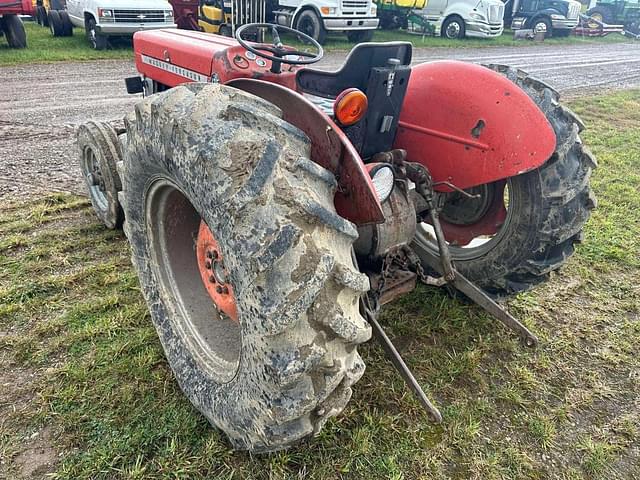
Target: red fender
[(469, 125)]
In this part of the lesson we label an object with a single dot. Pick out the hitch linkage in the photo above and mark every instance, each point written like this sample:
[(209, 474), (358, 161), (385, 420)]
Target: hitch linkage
[(440, 263)]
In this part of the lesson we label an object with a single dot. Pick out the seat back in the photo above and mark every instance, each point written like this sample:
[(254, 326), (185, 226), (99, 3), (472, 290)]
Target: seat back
[(356, 69)]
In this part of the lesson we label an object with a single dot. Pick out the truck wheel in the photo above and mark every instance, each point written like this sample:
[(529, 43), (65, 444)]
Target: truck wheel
[(542, 25), (67, 26), (309, 23), (453, 27), (55, 23), (360, 36), (540, 213), (99, 154), (96, 40), (13, 29), (602, 14), (244, 263)]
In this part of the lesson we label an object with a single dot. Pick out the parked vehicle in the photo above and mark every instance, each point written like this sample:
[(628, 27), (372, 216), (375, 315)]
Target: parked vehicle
[(103, 19), (395, 13), (549, 17), (11, 26), (357, 18), (266, 232), (624, 12), (465, 18), (53, 14)]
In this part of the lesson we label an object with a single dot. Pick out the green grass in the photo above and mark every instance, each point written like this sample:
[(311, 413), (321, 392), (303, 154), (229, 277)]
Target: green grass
[(42, 47), (71, 313)]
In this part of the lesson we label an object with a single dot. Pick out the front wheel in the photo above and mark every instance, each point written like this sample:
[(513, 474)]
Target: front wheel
[(542, 25), (309, 23), (244, 263), (96, 40), (519, 230), (453, 27)]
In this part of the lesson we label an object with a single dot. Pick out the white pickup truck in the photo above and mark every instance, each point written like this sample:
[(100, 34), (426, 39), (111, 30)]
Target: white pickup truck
[(102, 19)]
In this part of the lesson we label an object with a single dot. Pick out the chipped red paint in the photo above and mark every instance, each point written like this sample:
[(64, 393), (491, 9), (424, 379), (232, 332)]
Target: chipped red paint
[(470, 126)]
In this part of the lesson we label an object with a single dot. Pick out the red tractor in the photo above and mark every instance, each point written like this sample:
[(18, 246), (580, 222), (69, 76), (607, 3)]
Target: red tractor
[(11, 25), (272, 208)]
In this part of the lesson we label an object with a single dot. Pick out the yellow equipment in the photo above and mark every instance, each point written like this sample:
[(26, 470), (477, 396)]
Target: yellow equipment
[(214, 16)]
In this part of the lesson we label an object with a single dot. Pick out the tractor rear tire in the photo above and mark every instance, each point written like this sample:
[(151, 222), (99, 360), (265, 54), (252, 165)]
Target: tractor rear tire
[(218, 155), (547, 210), (100, 153), (14, 31)]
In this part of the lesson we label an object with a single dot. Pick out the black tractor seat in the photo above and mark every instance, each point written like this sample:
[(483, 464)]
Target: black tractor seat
[(355, 71)]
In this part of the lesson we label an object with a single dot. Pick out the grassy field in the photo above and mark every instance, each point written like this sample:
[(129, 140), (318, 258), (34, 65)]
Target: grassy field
[(45, 48), (85, 391)]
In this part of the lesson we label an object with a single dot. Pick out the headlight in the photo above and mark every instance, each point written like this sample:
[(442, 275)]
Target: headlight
[(557, 17), (168, 13), (106, 13), (328, 10), (477, 16), (383, 179), (374, 9)]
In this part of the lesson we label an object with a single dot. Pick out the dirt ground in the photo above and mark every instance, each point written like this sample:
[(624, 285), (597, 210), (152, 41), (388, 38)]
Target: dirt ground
[(43, 104)]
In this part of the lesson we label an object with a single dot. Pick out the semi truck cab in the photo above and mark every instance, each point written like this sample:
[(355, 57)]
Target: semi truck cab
[(465, 18), (550, 17)]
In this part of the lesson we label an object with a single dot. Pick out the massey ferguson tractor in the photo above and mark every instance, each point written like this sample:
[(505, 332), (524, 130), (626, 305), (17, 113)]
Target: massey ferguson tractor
[(273, 208)]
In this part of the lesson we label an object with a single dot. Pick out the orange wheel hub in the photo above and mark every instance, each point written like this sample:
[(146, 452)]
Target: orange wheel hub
[(214, 273)]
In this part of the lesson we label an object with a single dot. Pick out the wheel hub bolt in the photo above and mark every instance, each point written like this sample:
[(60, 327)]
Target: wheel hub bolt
[(212, 279), (207, 264), (219, 289)]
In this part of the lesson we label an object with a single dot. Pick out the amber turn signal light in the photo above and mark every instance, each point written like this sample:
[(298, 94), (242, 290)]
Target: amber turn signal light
[(350, 106)]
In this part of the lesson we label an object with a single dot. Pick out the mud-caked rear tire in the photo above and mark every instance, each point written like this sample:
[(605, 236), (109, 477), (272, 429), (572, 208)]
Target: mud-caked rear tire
[(229, 159)]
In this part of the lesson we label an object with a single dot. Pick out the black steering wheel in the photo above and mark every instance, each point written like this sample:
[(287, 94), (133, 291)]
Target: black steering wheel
[(279, 53)]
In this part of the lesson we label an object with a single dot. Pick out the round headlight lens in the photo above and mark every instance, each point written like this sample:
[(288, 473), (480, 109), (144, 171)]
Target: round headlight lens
[(383, 179)]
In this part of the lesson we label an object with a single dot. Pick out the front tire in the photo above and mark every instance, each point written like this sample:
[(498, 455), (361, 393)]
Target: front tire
[(542, 25), (96, 40), (453, 27), (547, 208), (210, 153), (309, 23), (99, 154)]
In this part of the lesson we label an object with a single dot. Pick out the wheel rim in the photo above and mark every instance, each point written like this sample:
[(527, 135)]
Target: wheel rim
[(493, 215), (540, 27), (95, 179), (453, 30), (211, 334), (213, 272), (597, 16)]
